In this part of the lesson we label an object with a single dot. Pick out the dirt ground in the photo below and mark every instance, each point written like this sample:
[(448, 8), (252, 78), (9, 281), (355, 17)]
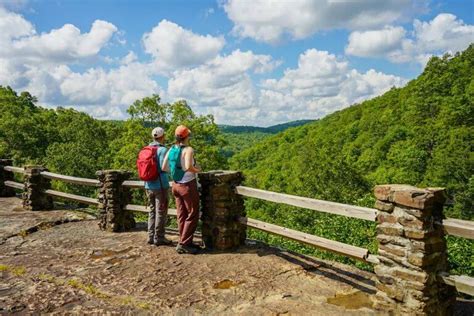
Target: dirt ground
[(59, 262)]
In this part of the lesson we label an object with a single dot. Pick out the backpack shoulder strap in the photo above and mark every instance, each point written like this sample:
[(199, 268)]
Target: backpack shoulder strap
[(159, 163), (181, 147)]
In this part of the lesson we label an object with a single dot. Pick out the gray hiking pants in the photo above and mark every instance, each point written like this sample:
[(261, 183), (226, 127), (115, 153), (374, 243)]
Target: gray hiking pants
[(158, 203)]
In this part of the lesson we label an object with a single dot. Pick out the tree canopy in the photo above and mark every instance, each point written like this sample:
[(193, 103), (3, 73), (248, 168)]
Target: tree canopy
[(421, 134)]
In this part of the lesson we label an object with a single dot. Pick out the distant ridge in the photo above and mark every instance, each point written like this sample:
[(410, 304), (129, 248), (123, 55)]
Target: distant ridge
[(236, 129)]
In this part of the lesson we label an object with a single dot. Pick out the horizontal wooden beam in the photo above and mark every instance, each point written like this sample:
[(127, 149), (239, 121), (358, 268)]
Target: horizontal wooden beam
[(459, 227), (16, 185), (144, 209), (70, 179), (315, 241), (14, 169), (135, 184), (462, 283), (359, 212), (73, 197)]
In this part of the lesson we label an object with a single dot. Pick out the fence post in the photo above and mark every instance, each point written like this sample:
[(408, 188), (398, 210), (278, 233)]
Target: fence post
[(6, 176), (221, 206), (113, 197), (412, 251), (34, 196)]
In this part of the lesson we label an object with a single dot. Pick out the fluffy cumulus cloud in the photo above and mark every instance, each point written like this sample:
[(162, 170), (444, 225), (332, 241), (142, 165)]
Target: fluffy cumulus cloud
[(376, 42), (269, 21), (119, 86), (40, 63), (18, 39), (445, 33), (175, 47), (222, 86), (320, 84)]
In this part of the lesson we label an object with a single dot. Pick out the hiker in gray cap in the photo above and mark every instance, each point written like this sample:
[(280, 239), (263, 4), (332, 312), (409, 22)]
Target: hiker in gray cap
[(157, 186)]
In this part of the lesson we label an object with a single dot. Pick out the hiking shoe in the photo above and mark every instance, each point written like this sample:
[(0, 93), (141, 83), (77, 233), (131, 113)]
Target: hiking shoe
[(182, 249), (195, 246), (163, 242)]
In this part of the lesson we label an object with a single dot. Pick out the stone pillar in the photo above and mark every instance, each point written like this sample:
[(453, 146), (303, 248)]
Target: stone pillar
[(412, 251), (6, 176), (34, 197), (112, 199), (221, 206)]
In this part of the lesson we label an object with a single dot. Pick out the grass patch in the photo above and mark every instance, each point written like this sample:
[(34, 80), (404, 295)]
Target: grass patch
[(91, 290), (16, 270), (88, 288)]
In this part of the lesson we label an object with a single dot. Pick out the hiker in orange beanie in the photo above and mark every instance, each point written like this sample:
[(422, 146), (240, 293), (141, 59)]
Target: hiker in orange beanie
[(182, 167)]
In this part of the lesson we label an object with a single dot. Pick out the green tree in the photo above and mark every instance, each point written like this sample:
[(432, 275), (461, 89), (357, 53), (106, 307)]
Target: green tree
[(148, 113)]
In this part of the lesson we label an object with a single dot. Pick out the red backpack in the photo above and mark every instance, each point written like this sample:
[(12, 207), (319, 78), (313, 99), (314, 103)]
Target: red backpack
[(148, 169)]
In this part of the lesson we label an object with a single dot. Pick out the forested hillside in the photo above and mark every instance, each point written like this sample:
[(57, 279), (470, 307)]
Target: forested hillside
[(239, 138), (421, 134), (238, 129)]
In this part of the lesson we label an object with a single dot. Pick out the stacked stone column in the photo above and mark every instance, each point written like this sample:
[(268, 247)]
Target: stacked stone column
[(221, 206), (6, 176), (112, 199), (412, 251), (34, 196)]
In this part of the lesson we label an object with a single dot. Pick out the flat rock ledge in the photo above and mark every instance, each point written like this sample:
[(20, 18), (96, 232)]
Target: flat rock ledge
[(59, 262)]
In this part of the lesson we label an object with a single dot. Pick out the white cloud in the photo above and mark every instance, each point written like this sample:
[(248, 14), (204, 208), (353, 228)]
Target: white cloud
[(39, 63), (129, 58), (375, 43), (175, 47), (120, 86), (269, 21), (445, 33), (222, 85), (13, 25), (19, 40), (59, 45), (321, 84)]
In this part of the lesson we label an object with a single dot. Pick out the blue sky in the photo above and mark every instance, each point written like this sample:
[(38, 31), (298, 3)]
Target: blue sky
[(246, 62)]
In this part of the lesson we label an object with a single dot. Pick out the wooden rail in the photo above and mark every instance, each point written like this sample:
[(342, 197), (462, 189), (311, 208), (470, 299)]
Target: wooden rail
[(318, 242), (365, 213), (73, 197), (16, 185), (144, 209), (70, 179), (459, 228), (135, 184), (462, 283), (451, 226), (14, 169)]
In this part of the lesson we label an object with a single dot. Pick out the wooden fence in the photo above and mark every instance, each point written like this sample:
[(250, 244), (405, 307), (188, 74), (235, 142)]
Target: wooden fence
[(455, 227)]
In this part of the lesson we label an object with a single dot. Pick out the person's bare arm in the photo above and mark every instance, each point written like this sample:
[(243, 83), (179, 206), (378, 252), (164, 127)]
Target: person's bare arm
[(188, 161), (165, 165)]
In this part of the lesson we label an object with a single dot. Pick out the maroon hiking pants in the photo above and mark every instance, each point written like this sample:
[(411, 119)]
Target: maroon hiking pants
[(187, 209)]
